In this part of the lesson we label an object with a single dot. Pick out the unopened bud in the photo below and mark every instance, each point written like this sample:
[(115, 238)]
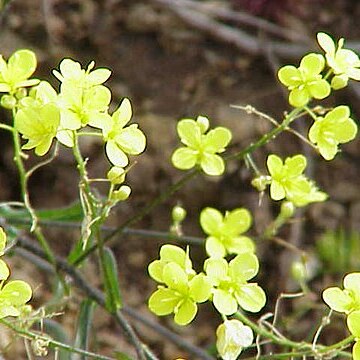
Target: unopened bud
[(116, 175), (287, 209), (122, 194), (298, 271), (178, 214), (8, 102)]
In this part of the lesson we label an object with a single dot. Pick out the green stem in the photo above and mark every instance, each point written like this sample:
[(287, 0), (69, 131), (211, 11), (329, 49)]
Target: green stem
[(179, 184), (25, 195), (52, 343), (305, 348), (144, 211), (271, 135)]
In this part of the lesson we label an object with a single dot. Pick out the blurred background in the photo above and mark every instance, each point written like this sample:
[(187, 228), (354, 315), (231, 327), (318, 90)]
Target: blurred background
[(183, 58)]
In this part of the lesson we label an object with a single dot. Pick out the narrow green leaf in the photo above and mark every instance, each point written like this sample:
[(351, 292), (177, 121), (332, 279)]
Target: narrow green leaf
[(83, 328), (113, 301)]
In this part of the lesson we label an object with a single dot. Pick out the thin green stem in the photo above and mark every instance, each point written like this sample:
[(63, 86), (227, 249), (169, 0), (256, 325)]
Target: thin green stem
[(310, 112), (271, 135), (25, 194), (52, 343), (179, 184), (302, 348), (144, 211), (7, 127)]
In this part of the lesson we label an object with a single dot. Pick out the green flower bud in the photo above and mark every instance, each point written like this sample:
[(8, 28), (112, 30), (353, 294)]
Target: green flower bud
[(116, 175), (298, 271), (287, 209), (8, 102), (122, 194), (178, 214), (339, 82), (20, 93)]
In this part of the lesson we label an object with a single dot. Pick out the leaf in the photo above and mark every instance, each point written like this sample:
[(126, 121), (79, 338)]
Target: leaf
[(84, 322), (113, 299)]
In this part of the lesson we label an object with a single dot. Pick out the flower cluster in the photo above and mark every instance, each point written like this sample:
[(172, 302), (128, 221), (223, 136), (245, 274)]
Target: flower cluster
[(344, 63), (181, 287), (335, 128), (42, 114), (308, 82), (13, 294), (201, 146), (347, 301), (223, 283), (288, 181)]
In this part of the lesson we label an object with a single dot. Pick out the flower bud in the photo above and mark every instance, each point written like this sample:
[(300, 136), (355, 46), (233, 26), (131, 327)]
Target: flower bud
[(20, 93), (287, 209), (178, 214), (232, 336), (339, 81), (298, 271), (116, 175), (8, 102), (122, 194)]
